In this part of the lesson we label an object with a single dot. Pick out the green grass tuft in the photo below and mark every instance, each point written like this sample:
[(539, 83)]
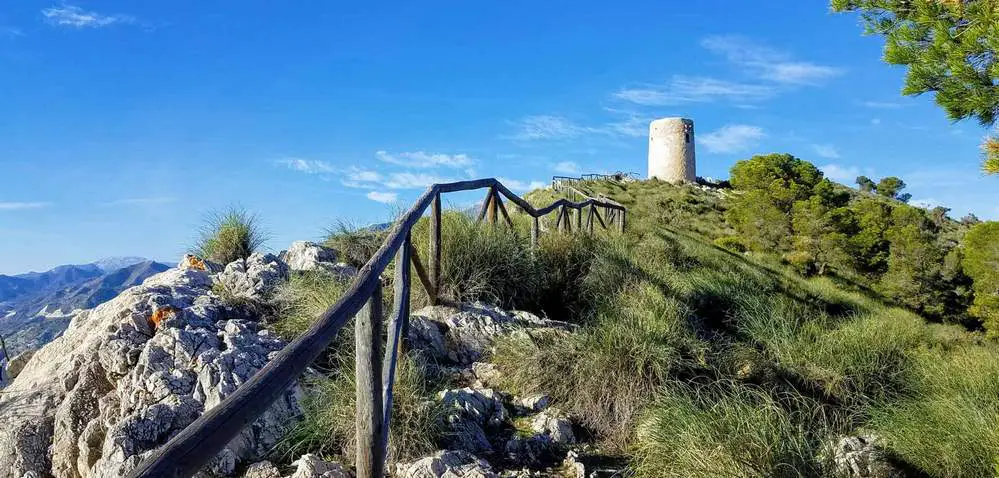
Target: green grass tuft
[(229, 235)]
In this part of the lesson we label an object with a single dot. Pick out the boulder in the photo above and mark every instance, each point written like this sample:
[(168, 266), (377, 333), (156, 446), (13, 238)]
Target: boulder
[(191, 261), (253, 278), (469, 411), (465, 334), (17, 364), (447, 464), (309, 256), (533, 403), (115, 386), (554, 425), (263, 469), (486, 374), (860, 456), (311, 466)]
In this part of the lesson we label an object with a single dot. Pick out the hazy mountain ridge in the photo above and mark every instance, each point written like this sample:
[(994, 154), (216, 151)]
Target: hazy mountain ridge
[(37, 306)]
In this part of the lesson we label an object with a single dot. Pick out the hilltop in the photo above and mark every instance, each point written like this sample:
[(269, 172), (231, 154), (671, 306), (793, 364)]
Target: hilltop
[(682, 347)]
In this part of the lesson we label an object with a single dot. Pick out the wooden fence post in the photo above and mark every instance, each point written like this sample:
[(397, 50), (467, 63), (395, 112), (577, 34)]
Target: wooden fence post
[(620, 224), (535, 231), (435, 250), (579, 219), (368, 420), (589, 218), (396, 330), (491, 205)]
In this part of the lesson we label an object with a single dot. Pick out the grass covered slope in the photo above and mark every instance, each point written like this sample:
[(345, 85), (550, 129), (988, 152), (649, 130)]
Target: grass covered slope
[(697, 361)]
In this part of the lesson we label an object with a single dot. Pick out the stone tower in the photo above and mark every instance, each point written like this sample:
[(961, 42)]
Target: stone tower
[(671, 150)]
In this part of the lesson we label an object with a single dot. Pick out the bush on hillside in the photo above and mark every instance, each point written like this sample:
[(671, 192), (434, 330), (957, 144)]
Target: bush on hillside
[(981, 263), (229, 235), (328, 424), (731, 243), (302, 299), (354, 245), (726, 430)]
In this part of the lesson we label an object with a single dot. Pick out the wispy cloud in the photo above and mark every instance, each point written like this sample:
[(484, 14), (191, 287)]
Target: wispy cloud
[(826, 151), (421, 159), (767, 63), (76, 17), (731, 138), (142, 201), (20, 206), (888, 105), (840, 173), (308, 166), (684, 89), (566, 167), (546, 127), (7, 31), (519, 186), (383, 197)]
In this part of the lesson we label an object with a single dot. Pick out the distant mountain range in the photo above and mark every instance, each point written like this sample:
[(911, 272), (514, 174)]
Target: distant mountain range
[(37, 306)]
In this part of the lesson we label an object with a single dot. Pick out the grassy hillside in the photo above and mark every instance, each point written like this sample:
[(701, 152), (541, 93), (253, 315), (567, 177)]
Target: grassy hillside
[(697, 361), (691, 359)]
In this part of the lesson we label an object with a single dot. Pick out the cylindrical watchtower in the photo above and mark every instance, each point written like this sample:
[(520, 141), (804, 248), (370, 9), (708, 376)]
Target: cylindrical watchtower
[(671, 150)]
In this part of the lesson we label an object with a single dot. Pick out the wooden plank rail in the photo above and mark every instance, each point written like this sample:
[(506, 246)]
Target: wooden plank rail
[(187, 452)]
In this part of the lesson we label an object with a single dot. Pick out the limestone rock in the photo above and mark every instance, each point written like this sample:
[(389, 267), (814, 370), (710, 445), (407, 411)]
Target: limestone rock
[(464, 335), (554, 425), (447, 464), (263, 469), (530, 450), (113, 388), (469, 411), (191, 261), (17, 363), (311, 466), (486, 373), (573, 467), (860, 456), (533, 403), (253, 278)]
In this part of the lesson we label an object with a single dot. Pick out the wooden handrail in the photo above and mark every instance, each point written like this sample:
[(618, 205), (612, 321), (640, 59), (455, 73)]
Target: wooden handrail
[(187, 452)]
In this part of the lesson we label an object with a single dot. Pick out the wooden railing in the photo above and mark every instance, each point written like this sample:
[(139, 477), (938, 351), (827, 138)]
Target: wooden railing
[(187, 452)]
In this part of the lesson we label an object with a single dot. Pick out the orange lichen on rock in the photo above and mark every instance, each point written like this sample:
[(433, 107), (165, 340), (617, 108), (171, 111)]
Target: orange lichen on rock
[(192, 261), (159, 315)]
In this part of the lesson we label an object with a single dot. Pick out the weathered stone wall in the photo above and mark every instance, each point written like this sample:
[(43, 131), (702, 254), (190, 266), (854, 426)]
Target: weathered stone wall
[(671, 150)]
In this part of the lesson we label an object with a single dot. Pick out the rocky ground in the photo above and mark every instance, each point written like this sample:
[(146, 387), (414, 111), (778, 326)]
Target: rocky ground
[(129, 374)]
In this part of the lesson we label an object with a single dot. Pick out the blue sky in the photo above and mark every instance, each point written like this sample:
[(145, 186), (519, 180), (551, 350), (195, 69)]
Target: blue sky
[(123, 123)]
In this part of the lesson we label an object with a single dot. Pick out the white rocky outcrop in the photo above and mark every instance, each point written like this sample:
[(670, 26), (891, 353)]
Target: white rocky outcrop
[(17, 364), (309, 256), (253, 278), (465, 334), (860, 456), (129, 374), (447, 464), (469, 412)]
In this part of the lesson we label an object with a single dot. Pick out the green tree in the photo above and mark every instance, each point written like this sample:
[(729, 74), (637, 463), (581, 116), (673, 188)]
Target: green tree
[(865, 183), (870, 243), (939, 215), (821, 236), (950, 48), (770, 185), (890, 186), (981, 263)]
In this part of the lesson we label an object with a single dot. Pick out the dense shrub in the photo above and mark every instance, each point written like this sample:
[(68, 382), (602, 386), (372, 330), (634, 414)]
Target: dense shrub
[(355, 245), (229, 235), (731, 243), (981, 263), (725, 430)]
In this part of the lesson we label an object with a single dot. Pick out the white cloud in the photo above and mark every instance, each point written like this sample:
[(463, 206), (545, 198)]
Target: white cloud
[(876, 121), (546, 127), (566, 167), (420, 159), (826, 151), (19, 206), (412, 181), (519, 186), (309, 166), (10, 31), (382, 197), (76, 17), (684, 89), (767, 63), (731, 138), (881, 104), (840, 173)]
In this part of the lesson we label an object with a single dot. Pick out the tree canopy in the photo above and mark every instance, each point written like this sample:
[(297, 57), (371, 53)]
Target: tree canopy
[(950, 48)]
